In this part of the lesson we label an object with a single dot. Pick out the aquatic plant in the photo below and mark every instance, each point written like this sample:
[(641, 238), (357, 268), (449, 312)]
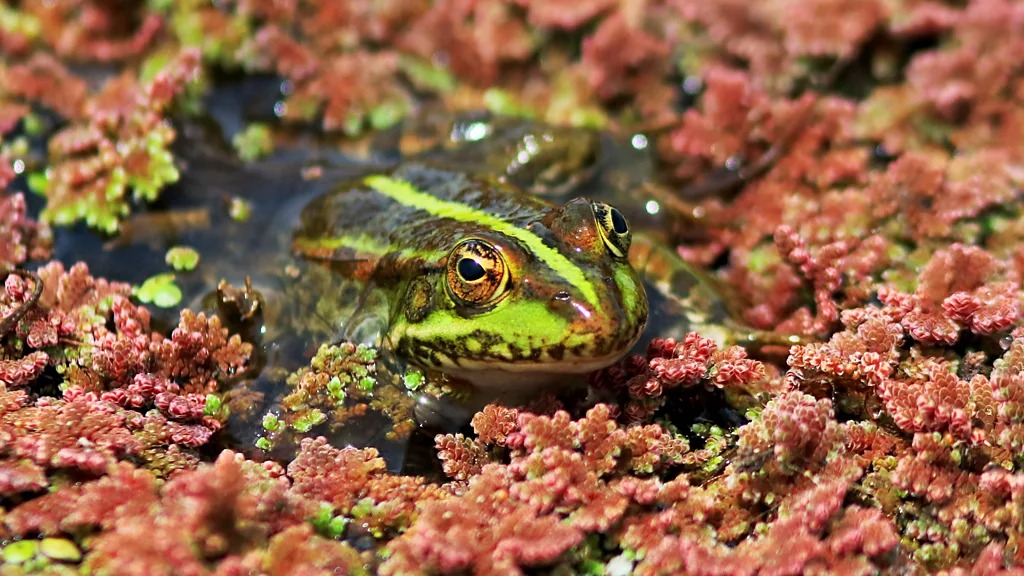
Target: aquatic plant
[(878, 216)]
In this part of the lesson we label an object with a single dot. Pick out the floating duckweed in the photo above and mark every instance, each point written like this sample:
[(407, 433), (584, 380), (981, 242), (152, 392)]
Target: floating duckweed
[(182, 258), (159, 290), (253, 143), (264, 444), (327, 524), (15, 21), (60, 549), (213, 405), (336, 389), (19, 552), (307, 421), (271, 423), (362, 509), (38, 181), (239, 209), (413, 379)]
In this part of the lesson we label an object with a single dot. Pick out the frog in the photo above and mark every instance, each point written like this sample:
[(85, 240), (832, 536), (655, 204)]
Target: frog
[(616, 168), (505, 283), (481, 281)]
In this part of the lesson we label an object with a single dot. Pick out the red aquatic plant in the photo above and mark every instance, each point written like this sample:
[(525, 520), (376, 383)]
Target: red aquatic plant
[(643, 382), (564, 479), (44, 81), (356, 482), (121, 142), (961, 288), (95, 30), (21, 238), (232, 514), (882, 222)]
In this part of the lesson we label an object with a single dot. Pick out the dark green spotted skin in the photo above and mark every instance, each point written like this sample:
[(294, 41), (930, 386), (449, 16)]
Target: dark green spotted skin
[(567, 304)]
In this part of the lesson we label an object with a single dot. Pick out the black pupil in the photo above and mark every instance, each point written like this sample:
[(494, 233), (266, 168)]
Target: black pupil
[(619, 222), (470, 270)]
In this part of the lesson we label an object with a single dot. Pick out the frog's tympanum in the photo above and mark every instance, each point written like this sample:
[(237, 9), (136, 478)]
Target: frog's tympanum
[(480, 280)]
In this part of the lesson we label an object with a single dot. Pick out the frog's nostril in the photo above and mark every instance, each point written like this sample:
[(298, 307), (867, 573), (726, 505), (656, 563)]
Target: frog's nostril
[(561, 296)]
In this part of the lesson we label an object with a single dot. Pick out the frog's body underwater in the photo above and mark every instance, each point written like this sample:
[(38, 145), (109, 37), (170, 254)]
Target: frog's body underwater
[(482, 281)]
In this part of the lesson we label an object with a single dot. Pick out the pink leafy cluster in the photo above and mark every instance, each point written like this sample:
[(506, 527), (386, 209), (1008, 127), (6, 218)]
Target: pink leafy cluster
[(21, 238), (641, 382), (70, 325), (563, 480), (345, 63), (356, 484), (127, 391), (228, 518)]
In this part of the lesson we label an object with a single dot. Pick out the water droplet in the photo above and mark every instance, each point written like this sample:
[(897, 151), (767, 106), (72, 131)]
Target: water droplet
[(1005, 342), (652, 207), (476, 131), (19, 166), (692, 85), (280, 108), (639, 141)]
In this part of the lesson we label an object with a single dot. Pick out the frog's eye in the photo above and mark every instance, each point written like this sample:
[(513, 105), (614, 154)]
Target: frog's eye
[(613, 227), (477, 274)]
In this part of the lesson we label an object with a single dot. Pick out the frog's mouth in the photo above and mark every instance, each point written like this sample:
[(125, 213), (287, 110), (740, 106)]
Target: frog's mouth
[(544, 368)]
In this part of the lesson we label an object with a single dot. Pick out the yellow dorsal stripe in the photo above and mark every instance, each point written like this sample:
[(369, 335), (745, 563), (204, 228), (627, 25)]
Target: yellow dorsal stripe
[(407, 195)]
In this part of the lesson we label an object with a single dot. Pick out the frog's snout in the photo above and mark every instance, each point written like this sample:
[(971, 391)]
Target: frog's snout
[(583, 317)]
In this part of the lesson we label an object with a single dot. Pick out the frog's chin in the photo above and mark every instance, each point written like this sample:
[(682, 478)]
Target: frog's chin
[(530, 375)]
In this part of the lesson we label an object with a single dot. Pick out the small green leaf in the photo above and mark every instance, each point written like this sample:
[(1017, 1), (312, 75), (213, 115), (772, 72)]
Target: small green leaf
[(309, 420), (264, 444), (213, 405), (362, 508), (505, 104), (182, 258), (336, 389), (424, 74), (239, 209), (159, 290), (386, 115), (60, 549), (253, 143), (38, 182), (413, 380), (18, 552), (271, 423)]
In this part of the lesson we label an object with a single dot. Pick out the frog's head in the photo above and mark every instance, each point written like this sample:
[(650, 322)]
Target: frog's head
[(526, 303)]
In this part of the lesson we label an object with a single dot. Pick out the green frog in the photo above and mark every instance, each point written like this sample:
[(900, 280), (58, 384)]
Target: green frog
[(482, 281), (467, 271)]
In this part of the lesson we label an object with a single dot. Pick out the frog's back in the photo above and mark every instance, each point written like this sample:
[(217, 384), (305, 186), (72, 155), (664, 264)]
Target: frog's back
[(415, 208)]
